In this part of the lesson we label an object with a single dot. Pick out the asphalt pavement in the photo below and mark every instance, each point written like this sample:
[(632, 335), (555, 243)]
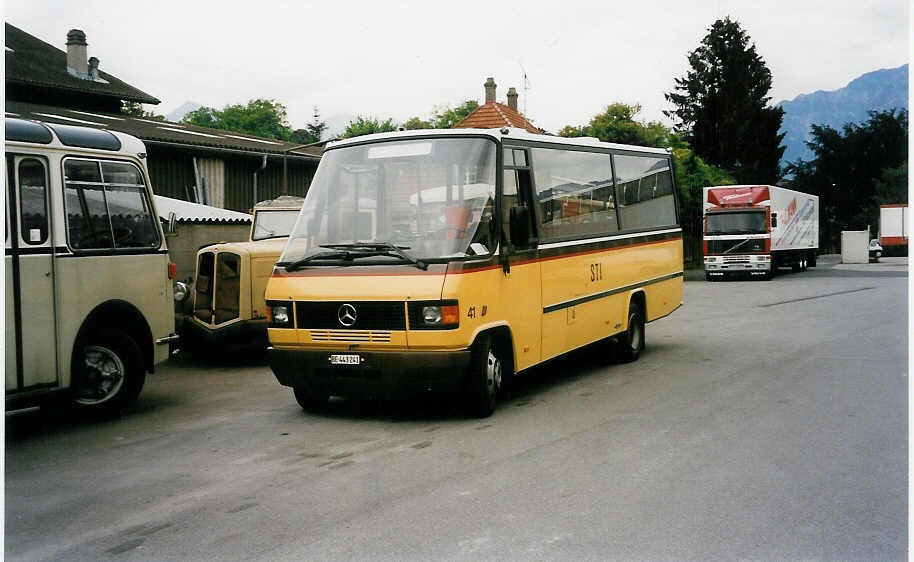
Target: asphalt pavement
[(765, 420)]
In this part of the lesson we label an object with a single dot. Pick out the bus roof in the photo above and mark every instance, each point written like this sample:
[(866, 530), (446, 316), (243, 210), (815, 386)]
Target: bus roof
[(506, 133), (71, 136)]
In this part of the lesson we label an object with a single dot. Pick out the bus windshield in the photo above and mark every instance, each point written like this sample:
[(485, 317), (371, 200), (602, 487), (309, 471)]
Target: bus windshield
[(273, 224), (736, 222), (432, 198)]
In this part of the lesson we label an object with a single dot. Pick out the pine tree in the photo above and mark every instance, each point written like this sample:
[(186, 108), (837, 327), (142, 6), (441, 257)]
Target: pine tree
[(722, 106)]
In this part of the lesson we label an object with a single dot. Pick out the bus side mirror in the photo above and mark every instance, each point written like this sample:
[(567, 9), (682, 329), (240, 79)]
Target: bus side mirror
[(172, 228), (774, 220), (519, 226)]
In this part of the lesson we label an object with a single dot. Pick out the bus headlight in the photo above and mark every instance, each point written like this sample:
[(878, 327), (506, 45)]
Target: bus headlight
[(279, 314), (180, 291), (434, 315)]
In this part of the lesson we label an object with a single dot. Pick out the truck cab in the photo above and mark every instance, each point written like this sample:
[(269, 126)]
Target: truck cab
[(228, 295)]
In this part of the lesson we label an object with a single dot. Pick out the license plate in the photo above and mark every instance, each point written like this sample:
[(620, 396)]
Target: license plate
[(345, 359)]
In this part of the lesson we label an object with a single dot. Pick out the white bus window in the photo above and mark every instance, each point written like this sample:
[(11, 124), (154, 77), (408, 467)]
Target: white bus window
[(108, 206), (645, 188), (33, 208), (575, 193)]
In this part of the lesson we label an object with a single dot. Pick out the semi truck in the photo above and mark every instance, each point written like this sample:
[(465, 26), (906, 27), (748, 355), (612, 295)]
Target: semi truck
[(755, 229), (894, 223)]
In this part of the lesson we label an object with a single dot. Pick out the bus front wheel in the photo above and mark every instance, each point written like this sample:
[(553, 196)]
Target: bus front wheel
[(309, 400), (631, 342), (109, 373), (484, 378)]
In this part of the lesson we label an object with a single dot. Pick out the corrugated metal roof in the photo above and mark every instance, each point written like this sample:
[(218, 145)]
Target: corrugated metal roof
[(187, 212), (164, 132)]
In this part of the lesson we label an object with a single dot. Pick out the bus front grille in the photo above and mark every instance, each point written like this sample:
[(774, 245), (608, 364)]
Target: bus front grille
[(357, 336), (351, 316)]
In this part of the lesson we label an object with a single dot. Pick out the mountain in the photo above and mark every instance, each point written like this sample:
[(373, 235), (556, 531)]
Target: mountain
[(877, 90), (178, 113)]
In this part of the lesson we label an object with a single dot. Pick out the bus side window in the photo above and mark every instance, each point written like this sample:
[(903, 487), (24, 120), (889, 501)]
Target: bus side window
[(517, 194), (33, 207)]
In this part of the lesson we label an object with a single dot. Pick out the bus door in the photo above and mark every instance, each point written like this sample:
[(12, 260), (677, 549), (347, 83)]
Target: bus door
[(31, 357), (522, 282)]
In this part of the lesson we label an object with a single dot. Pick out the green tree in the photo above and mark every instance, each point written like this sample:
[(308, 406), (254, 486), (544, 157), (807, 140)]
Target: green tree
[(722, 106), (317, 127), (414, 123), (363, 125), (854, 170), (445, 117), (135, 109), (617, 124), (260, 117)]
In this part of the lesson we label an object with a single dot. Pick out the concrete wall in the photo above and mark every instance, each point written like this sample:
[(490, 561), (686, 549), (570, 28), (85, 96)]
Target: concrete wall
[(855, 246)]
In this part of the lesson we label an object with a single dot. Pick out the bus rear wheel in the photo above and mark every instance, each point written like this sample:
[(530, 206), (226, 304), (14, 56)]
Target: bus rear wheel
[(631, 342), (484, 379), (108, 373)]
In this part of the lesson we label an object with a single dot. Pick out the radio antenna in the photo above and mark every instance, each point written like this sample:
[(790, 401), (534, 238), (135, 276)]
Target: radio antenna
[(527, 87)]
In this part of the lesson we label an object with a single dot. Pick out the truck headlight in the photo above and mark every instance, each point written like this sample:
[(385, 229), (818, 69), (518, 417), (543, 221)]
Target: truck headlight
[(279, 314)]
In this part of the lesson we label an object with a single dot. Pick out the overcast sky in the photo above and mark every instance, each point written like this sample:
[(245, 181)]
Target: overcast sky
[(402, 59)]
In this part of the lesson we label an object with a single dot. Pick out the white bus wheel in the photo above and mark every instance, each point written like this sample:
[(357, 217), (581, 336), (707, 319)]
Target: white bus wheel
[(109, 373)]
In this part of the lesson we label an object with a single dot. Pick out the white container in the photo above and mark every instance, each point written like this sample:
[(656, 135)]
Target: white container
[(855, 246)]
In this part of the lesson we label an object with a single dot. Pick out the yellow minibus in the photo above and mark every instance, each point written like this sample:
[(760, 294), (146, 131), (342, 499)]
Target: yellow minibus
[(457, 259)]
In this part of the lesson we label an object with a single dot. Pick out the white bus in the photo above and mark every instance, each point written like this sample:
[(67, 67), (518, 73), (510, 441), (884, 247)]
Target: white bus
[(88, 292)]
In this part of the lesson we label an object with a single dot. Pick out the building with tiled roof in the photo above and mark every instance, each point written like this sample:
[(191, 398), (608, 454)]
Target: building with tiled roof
[(494, 115), (219, 168)]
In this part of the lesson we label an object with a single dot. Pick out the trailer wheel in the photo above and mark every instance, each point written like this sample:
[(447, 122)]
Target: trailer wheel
[(631, 342), (108, 373)]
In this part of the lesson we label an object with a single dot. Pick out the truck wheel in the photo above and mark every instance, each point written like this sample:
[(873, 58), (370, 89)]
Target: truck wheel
[(708, 277), (108, 373), (309, 400), (631, 342), (484, 378)]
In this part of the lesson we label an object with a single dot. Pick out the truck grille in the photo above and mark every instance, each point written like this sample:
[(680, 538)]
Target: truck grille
[(369, 315), (736, 259), (717, 247), (358, 336)]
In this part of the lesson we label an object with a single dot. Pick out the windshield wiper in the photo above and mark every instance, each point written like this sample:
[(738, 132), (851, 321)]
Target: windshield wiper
[(300, 263), (380, 249)]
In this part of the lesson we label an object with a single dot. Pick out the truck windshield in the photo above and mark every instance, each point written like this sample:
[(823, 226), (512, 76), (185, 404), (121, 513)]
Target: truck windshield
[(432, 198), (273, 224), (736, 222)]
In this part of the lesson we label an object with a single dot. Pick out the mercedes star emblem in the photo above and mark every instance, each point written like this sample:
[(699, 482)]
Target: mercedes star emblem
[(346, 315)]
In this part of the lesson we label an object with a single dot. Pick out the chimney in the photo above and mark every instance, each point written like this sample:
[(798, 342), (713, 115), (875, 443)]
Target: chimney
[(512, 98), (93, 68), (490, 89), (76, 53)]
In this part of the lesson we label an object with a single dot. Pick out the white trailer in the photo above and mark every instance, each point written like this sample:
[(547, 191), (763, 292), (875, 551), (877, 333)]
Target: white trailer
[(755, 229), (894, 226)]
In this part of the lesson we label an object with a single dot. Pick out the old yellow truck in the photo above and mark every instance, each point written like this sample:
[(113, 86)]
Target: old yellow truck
[(228, 294)]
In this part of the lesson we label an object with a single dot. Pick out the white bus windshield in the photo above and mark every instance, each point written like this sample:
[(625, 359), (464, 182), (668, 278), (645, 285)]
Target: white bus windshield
[(737, 222), (433, 198)]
